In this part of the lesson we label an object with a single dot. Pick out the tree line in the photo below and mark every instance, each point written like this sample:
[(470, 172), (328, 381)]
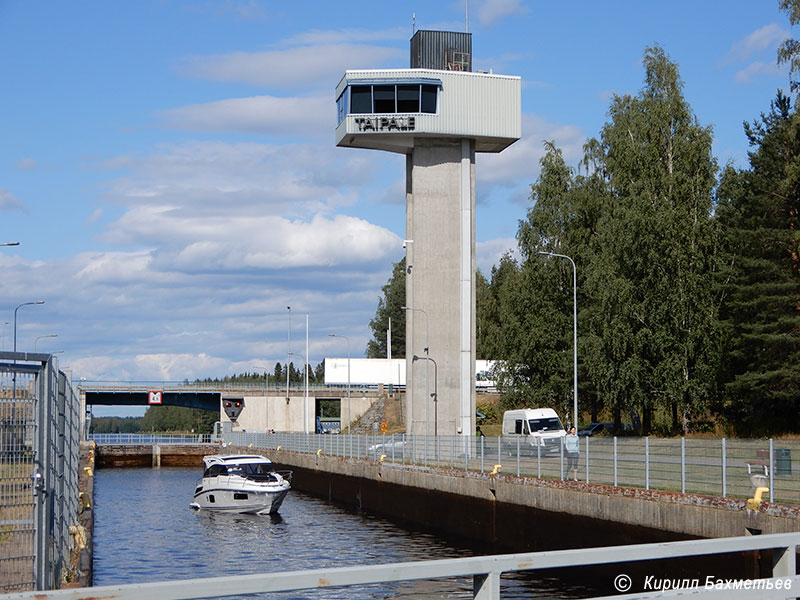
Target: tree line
[(688, 274)]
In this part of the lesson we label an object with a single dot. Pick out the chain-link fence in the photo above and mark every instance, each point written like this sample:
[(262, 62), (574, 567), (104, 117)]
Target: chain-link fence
[(39, 461), (717, 467)]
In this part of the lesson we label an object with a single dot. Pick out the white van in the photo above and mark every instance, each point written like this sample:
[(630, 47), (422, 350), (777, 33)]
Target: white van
[(540, 428)]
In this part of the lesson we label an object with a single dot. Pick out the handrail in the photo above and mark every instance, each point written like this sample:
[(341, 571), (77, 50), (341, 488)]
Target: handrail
[(485, 571)]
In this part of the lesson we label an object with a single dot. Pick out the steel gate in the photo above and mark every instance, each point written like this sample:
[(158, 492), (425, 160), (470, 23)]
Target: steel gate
[(39, 460)]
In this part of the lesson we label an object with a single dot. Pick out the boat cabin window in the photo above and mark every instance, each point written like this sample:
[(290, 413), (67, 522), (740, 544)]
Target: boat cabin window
[(215, 470), (257, 468)]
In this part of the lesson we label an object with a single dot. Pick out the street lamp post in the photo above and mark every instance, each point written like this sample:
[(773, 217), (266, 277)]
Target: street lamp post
[(288, 352), (36, 341), (15, 318), (266, 392), (14, 376), (348, 377), (427, 353), (435, 394), (574, 331)]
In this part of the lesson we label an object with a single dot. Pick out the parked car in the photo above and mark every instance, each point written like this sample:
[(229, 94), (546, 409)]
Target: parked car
[(595, 429)]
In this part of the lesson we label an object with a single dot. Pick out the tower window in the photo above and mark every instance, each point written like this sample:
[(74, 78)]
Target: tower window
[(384, 99), (408, 98), (361, 99), (388, 99)]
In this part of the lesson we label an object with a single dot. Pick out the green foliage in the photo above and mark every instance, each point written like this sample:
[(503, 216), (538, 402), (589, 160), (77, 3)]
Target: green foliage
[(638, 224), (178, 419), (789, 50), (490, 411), (115, 424), (759, 211), (390, 307)]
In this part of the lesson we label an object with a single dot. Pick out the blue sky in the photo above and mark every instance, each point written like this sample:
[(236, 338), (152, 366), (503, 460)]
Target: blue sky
[(169, 168)]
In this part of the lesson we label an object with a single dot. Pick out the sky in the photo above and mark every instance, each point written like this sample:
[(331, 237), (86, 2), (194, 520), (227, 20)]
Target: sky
[(169, 170)]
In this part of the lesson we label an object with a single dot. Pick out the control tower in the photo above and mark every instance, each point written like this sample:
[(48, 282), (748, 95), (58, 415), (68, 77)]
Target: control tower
[(439, 114)]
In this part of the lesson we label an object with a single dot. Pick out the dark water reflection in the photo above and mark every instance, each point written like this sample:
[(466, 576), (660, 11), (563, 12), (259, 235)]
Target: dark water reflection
[(145, 531)]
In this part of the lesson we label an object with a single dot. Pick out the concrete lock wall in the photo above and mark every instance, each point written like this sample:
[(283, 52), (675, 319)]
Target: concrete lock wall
[(507, 508), (440, 280)]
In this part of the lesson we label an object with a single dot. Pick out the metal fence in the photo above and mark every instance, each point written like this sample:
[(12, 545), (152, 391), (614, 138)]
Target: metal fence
[(717, 467), (39, 462)]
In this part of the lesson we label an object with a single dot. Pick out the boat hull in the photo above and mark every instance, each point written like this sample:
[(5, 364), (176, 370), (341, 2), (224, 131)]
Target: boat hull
[(239, 501)]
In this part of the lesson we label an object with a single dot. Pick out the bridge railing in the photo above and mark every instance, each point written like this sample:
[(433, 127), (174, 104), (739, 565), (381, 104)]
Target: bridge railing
[(719, 467), (146, 439), (486, 573)]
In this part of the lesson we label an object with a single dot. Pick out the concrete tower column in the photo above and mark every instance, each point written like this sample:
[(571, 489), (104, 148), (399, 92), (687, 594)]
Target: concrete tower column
[(440, 279)]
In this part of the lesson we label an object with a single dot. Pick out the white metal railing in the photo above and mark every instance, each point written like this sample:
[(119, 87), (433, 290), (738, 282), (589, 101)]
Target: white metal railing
[(486, 572), (719, 467), (146, 439)]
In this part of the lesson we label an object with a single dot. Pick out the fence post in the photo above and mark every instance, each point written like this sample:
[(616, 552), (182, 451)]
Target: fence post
[(683, 465), (486, 587), (771, 469), (562, 458), (724, 468), (647, 463), (538, 459), (615, 461), (482, 448), (587, 458)]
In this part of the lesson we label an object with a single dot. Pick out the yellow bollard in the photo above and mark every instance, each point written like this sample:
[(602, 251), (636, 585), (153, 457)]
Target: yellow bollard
[(754, 502), (88, 471)]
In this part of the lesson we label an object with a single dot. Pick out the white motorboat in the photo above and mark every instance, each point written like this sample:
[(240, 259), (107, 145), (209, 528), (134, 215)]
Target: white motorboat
[(243, 483)]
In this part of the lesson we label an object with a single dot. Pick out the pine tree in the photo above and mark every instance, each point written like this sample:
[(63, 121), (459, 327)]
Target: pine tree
[(758, 210)]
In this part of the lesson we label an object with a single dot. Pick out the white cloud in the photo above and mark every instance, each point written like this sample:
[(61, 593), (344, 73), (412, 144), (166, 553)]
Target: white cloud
[(764, 38), (191, 243), (9, 201), (262, 115), (338, 36), (95, 216), (215, 177), (518, 165), (26, 164), (490, 12), (756, 70), (488, 253), (319, 66)]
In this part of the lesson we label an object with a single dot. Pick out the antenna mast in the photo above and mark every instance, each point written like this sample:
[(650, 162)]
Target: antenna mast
[(466, 18)]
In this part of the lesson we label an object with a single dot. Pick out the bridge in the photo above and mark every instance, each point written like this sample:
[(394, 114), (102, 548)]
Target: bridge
[(247, 406)]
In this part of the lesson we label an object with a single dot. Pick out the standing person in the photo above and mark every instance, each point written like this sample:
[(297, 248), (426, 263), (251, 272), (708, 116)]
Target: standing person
[(573, 451)]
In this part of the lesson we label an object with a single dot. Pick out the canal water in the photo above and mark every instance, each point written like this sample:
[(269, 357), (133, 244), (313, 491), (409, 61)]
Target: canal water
[(145, 531)]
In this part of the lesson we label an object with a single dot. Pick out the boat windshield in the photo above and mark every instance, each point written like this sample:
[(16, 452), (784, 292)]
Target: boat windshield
[(549, 424), (250, 469)]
